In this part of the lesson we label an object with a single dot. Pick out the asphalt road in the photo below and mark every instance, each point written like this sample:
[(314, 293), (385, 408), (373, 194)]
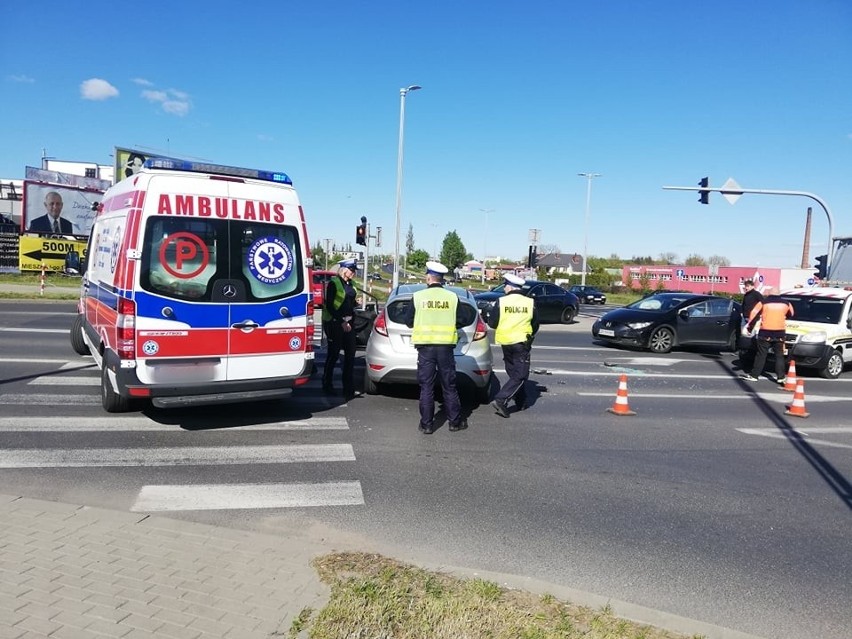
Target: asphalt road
[(709, 503)]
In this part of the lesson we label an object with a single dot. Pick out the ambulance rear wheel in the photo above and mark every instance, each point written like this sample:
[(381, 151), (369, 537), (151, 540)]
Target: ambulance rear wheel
[(112, 401), (77, 341)]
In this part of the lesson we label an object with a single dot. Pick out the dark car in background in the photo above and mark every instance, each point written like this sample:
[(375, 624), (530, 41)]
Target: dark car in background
[(588, 294), (663, 321), (552, 303)]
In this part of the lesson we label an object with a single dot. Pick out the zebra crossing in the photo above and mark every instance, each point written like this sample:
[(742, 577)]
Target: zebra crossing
[(78, 387)]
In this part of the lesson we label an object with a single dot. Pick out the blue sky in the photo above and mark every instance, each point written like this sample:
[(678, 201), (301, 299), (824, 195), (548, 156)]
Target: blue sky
[(517, 99)]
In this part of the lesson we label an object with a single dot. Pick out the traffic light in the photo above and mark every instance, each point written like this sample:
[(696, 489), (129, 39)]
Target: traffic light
[(361, 234), (532, 257), (704, 196), (821, 266)]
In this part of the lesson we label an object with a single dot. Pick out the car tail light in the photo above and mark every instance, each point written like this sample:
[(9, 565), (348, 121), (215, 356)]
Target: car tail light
[(126, 329), (481, 330), (381, 324), (310, 328)]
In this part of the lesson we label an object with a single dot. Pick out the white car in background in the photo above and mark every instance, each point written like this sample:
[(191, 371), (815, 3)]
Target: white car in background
[(392, 359)]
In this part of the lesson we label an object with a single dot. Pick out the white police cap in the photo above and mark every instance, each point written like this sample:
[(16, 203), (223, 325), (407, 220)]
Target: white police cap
[(514, 280), (436, 268), (352, 265)]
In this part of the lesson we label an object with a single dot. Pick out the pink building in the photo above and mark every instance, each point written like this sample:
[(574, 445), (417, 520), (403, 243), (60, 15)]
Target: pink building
[(721, 279)]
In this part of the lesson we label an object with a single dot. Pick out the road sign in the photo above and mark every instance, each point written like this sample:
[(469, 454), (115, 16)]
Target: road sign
[(731, 191)]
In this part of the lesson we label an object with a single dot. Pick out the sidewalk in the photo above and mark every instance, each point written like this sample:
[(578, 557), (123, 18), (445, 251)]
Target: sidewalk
[(70, 571), (77, 572)]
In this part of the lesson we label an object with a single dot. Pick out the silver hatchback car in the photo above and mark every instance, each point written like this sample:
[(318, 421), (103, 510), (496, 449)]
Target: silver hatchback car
[(392, 359)]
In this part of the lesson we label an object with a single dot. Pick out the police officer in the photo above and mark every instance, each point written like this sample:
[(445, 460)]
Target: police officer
[(435, 316), (516, 323), (338, 310), (772, 312)]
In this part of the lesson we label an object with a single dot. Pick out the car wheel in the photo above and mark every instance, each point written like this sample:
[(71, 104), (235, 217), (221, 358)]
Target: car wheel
[(568, 314), (661, 340), (112, 401), (370, 387), (833, 367), (733, 342), (77, 341)]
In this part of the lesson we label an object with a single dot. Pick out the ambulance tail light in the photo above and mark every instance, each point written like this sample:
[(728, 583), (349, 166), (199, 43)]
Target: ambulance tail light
[(126, 329), (310, 328), (481, 330), (381, 324)]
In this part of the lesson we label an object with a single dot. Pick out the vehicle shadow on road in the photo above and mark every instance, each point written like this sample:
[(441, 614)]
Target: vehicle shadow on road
[(835, 480)]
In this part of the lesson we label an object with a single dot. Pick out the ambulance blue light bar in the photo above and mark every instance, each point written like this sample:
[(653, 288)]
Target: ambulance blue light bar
[(219, 169)]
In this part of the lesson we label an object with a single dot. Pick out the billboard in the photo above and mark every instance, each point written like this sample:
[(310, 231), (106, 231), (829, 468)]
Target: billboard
[(129, 161), (52, 209), (56, 177)]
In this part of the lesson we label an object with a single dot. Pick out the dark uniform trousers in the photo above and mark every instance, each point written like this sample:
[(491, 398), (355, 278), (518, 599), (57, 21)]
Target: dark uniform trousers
[(437, 361), (339, 339), (516, 359)]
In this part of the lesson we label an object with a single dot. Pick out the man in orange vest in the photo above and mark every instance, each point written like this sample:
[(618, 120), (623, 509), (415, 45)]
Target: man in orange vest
[(772, 312)]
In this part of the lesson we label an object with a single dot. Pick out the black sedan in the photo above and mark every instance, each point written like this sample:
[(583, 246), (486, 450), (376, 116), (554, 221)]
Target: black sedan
[(662, 321), (588, 294), (552, 303)]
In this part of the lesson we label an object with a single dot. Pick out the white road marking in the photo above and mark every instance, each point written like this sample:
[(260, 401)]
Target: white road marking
[(34, 330), (140, 423), (21, 360), (50, 399), (240, 496), (774, 433), (778, 396), (65, 380), (181, 456)]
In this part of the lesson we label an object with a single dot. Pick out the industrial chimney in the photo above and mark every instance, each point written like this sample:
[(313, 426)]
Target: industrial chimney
[(805, 249)]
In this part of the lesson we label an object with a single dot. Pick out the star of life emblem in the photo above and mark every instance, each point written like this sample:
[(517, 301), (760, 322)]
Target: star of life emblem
[(270, 260)]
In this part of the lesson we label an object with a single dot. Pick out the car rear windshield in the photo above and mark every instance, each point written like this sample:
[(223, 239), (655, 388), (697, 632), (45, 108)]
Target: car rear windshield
[(398, 309), (824, 310)]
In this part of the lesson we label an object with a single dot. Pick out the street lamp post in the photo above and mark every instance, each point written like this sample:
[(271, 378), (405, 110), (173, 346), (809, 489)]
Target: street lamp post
[(402, 93), (485, 242), (589, 177)]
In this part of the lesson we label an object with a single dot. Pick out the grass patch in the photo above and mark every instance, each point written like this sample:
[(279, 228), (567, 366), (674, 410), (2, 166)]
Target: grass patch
[(374, 597)]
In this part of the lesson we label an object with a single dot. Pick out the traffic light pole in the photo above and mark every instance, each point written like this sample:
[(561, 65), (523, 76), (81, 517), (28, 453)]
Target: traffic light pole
[(740, 191)]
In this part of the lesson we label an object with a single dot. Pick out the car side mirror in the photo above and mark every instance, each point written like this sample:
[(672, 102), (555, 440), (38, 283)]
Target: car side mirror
[(684, 313)]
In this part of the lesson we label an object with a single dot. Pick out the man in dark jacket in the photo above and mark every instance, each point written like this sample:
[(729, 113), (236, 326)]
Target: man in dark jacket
[(751, 298)]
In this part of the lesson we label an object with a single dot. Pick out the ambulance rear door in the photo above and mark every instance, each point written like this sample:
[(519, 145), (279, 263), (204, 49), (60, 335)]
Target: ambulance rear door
[(221, 293)]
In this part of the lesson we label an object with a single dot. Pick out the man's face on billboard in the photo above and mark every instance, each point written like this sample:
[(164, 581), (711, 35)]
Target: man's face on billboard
[(53, 205)]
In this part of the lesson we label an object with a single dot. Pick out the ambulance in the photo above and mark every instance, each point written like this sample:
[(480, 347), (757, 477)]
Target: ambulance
[(196, 288)]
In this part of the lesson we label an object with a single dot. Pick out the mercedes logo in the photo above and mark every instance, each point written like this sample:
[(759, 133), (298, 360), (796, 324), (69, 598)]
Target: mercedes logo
[(229, 290)]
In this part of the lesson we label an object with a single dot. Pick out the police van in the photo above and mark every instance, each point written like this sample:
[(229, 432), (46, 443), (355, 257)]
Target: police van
[(819, 335), (196, 287)]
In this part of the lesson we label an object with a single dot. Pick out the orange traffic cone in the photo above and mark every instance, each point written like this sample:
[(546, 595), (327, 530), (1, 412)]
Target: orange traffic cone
[(620, 407), (790, 380), (797, 408)]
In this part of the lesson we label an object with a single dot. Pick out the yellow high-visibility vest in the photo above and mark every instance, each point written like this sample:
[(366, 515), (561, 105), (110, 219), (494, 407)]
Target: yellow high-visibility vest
[(515, 324), (434, 316), (337, 302)]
